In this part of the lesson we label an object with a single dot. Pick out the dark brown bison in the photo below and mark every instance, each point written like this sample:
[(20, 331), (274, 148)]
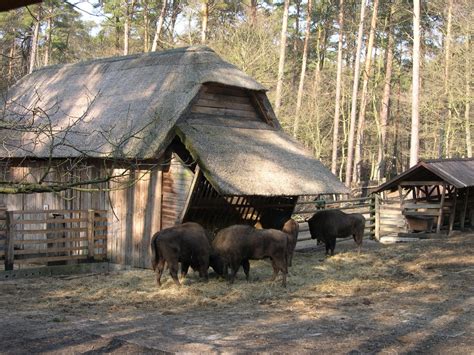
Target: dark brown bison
[(238, 244), (186, 243), (281, 220), (327, 225)]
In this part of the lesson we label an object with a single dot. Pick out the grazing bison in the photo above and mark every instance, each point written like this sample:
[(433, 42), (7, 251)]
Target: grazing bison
[(327, 225), (186, 243), (237, 244)]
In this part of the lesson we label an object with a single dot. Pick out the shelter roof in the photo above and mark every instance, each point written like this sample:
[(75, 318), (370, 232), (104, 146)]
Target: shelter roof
[(456, 172), (132, 107)]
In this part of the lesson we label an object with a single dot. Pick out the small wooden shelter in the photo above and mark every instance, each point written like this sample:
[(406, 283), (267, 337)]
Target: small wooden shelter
[(198, 138), (435, 194)]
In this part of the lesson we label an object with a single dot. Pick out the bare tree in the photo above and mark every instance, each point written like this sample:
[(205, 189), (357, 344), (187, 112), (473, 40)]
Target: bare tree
[(129, 8), (415, 120), (281, 63), (356, 175), (355, 90), (48, 34), (467, 110), (204, 20), (34, 40), (445, 126), (384, 107), (303, 68), (335, 136), (159, 25)]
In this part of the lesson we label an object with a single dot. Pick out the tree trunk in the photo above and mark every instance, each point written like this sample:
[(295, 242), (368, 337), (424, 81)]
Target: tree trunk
[(159, 26), (384, 107), (281, 63), (357, 171), (204, 19), (174, 15), (126, 27), (303, 68), (47, 40), (355, 90), (146, 24), (468, 95), (445, 126), (335, 135), (414, 140), (34, 41)]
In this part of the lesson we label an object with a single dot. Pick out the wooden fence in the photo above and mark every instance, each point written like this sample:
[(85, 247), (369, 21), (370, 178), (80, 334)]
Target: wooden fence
[(383, 216), (52, 236)]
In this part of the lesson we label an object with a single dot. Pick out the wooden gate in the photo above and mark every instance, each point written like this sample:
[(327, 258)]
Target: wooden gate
[(52, 236)]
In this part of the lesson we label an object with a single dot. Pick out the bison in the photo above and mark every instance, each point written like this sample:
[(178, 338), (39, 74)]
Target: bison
[(327, 225), (237, 244), (186, 243), (281, 220)]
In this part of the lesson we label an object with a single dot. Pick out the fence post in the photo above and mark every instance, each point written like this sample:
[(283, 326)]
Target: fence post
[(90, 233), (9, 242), (373, 212), (377, 217)]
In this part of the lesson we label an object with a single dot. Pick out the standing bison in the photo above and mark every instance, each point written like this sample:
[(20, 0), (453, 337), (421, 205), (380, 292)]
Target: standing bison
[(238, 244), (327, 225), (281, 220), (186, 243)]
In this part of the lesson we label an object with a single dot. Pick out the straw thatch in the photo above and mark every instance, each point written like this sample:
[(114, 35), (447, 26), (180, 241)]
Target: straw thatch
[(123, 107), (132, 107)]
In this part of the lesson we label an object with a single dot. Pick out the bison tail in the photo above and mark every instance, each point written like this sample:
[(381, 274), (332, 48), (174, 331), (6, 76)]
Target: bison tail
[(154, 252)]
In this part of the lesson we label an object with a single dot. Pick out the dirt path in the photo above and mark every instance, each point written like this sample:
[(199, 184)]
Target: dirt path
[(393, 299)]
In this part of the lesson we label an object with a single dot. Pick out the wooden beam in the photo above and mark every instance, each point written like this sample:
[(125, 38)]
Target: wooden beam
[(464, 209), (10, 237), (440, 216), (420, 183), (453, 211), (197, 173)]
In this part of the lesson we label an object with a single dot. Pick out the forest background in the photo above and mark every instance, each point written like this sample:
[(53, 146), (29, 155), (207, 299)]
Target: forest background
[(339, 72)]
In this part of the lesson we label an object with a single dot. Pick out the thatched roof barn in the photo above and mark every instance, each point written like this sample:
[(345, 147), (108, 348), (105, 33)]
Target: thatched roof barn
[(187, 103), (441, 190)]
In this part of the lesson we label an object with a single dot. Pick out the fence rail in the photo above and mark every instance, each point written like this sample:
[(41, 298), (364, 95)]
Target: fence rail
[(383, 216), (51, 236)]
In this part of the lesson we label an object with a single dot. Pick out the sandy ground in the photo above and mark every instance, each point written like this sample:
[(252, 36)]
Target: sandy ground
[(400, 298)]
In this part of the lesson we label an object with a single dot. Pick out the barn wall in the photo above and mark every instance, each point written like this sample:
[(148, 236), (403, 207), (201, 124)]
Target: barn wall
[(133, 204)]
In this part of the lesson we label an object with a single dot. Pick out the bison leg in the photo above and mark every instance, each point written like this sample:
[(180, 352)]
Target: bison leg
[(246, 267), (332, 244), (173, 266), (159, 271), (184, 270)]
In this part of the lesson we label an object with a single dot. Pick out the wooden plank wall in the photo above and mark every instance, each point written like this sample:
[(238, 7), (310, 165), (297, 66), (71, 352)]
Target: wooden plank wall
[(133, 212), (225, 106)]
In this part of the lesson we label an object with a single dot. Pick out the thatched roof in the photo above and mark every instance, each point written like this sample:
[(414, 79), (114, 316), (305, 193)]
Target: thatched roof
[(263, 161), (133, 106), (456, 172), (120, 107)]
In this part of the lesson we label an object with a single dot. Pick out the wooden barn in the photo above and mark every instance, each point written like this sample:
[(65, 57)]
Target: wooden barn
[(435, 195), (160, 138)]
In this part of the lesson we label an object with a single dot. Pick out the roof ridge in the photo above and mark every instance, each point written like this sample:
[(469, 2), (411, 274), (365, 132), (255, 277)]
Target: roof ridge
[(196, 48)]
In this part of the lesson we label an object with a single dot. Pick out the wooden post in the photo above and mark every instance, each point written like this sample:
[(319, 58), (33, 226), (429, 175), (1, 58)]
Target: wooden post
[(197, 173), (10, 241), (376, 213), (440, 215), (452, 215), (463, 212), (90, 233)]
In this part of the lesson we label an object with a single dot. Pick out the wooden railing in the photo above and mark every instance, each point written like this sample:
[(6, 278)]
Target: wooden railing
[(52, 236), (364, 205)]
